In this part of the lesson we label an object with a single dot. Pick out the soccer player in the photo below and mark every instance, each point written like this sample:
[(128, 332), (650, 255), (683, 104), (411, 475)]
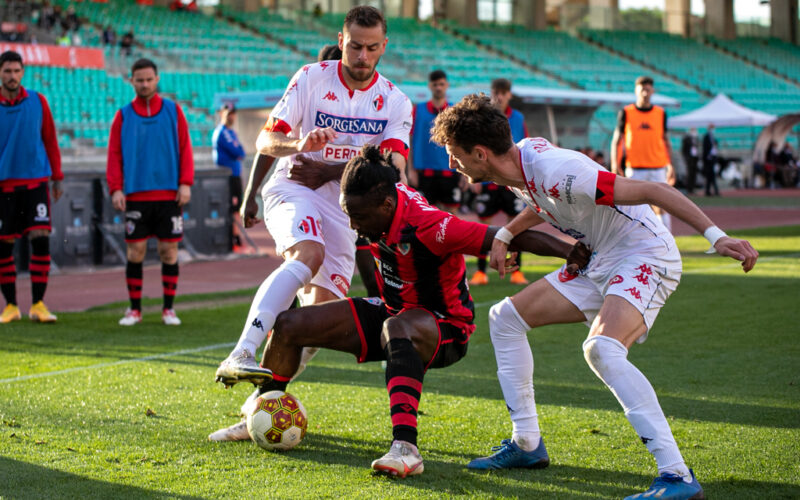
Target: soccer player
[(329, 110), (150, 172), (493, 198), (227, 151), (426, 316), (634, 268), (29, 158), (428, 168), (643, 126)]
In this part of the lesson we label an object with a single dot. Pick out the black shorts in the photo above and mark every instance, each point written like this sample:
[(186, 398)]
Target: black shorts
[(236, 193), (24, 209), (369, 314), (494, 198), (440, 186), (145, 219)]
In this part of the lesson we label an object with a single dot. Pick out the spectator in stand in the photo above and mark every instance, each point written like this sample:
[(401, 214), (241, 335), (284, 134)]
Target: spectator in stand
[(126, 44), (71, 21), (109, 36), (29, 158), (787, 167), (690, 148), (710, 158), (228, 152)]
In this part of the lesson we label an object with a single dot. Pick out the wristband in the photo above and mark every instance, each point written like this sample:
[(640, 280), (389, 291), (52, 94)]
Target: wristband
[(504, 235), (713, 234)]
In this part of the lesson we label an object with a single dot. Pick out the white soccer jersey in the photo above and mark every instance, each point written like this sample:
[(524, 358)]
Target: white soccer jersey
[(318, 97), (576, 196)]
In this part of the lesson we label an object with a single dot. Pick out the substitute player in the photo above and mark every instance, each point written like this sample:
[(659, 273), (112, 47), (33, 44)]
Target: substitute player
[(635, 267), (29, 158), (426, 316), (150, 172), (492, 198), (643, 126), (329, 110)]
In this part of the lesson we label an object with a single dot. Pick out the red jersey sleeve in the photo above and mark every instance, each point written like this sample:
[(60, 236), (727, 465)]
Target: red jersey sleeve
[(186, 173), (114, 159), (449, 234), (51, 140)]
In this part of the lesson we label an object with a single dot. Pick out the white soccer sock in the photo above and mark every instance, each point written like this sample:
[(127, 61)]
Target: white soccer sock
[(274, 296), (515, 371), (608, 359)]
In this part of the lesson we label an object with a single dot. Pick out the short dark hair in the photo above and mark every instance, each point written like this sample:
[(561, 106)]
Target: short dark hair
[(437, 74), (473, 121), (142, 64), (365, 16), (329, 53), (372, 174), (501, 85), (228, 107), (645, 80), (10, 56)]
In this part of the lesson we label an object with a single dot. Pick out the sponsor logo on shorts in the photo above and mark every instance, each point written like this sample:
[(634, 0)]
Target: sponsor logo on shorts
[(634, 293), (645, 269), (133, 214), (339, 152), (442, 232), (341, 283), (643, 279), (377, 103), (615, 280), (350, 125), (568, 189), (129, 227)]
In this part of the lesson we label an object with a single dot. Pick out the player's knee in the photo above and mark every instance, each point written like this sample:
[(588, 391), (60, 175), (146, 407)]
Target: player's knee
[(600, 352), (168, 253), (288, 326), (505, 321), (395, 328), (136, 252)]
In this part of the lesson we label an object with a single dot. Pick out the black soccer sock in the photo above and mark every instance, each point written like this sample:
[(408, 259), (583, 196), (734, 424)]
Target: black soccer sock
[(39, 266), (482, 263), (404, 373), (169, 281), (133, 278), (8, 273), (276, 384)]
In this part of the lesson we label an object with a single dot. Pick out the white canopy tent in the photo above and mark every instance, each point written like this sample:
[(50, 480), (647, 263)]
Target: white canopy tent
[(721, 112)]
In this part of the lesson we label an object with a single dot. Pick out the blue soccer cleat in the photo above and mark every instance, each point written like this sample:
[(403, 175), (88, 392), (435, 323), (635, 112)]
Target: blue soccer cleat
[(672, 487), (508, 456)]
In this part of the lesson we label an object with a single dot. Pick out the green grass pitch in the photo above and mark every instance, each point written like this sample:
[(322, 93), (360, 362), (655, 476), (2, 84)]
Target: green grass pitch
[(724, 357)]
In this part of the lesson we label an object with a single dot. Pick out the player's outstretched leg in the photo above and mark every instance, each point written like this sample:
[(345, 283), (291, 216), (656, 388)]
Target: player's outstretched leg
[(515, 372), (607, 357), (404, 374), (273, 296)]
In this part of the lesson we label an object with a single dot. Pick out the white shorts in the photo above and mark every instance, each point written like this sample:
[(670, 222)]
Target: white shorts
[(647, 174), (643, 280), (294, 213)]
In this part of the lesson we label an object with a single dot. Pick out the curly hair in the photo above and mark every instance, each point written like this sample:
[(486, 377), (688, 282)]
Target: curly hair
[(473, 121), (372, 174)]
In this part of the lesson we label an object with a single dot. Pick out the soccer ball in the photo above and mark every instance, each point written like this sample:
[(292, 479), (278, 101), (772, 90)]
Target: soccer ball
[(277, 421)]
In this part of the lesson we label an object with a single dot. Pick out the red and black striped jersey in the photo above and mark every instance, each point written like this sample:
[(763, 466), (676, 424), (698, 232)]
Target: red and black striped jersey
[(421, 260)]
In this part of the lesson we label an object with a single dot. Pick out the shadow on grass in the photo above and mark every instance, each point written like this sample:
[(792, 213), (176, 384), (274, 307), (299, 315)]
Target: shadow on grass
[(24, 480)]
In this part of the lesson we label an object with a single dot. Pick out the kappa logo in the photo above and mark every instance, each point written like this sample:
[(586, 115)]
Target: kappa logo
[(257, 323), (306, 67), (645, 126), (615, 280), (554, 192), (540, 145), (330, 96), (645, 269), (532, 186), (634, 292), (324, 65), (391, 86), (377, 103), (645, 440), (341, 283), (643, 279)]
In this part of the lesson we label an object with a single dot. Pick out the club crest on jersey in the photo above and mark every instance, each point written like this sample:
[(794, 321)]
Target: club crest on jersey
[(377, 103), (404, 248)]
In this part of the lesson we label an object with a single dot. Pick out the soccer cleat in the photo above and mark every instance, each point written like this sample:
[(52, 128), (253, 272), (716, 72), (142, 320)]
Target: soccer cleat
[(508, 456), (132, 316), (479, 278), (236, 432), (402, 460), (40, 313), (242, 366), (517, 278), (672, 487), (10, 313), (168, 317)]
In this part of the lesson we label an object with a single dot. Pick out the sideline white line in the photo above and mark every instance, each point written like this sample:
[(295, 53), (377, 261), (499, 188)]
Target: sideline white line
[(115, 363)]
